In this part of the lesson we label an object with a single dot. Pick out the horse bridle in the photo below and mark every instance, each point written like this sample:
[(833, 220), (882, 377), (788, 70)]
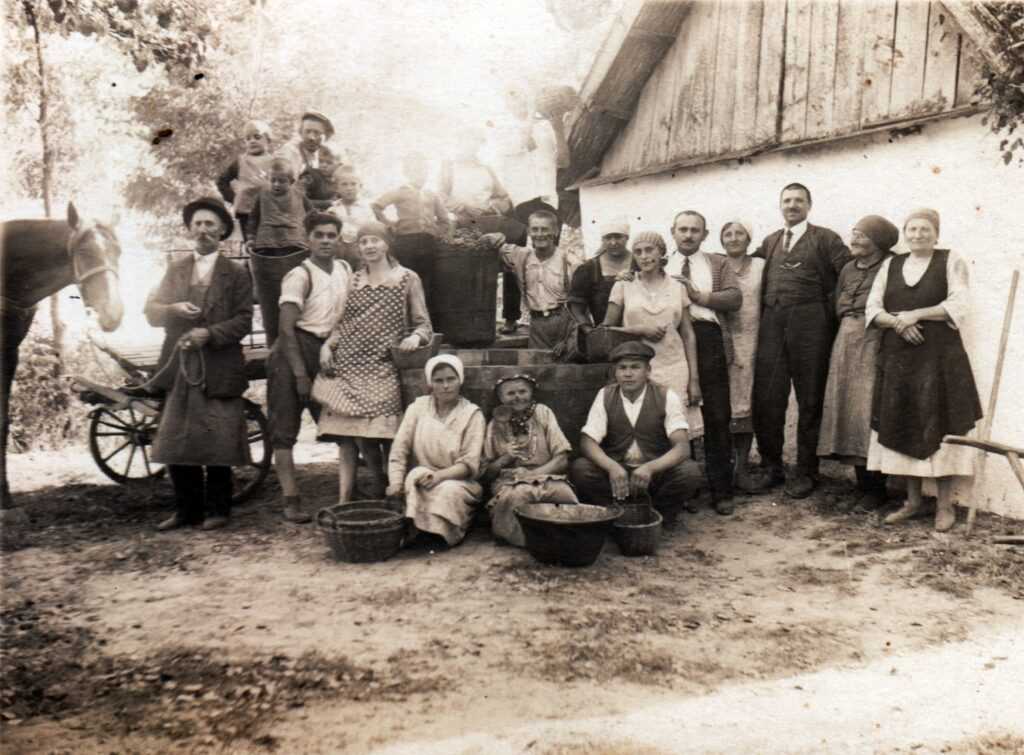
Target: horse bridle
[(92, 272)]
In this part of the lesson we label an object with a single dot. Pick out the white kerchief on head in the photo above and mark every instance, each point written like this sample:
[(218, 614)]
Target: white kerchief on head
[(449, 359)]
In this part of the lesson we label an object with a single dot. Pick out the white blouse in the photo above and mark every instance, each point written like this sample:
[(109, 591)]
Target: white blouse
[(956, 303)]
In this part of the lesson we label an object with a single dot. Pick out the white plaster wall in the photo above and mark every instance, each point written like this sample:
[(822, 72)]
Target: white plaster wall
[(953, 166)]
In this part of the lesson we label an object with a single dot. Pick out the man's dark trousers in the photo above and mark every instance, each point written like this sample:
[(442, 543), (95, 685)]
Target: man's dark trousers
[(713, 373), (793, 348)]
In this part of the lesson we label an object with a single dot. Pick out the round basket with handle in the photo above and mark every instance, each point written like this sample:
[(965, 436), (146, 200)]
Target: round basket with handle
[(417, 358), (638, 531), (362, 531)]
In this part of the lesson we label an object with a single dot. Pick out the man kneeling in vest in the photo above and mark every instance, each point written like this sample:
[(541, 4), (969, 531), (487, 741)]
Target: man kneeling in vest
[(636, 440)]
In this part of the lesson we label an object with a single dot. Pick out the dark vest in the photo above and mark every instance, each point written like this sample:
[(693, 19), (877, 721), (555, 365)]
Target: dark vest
[(649, 431), (281, 220)]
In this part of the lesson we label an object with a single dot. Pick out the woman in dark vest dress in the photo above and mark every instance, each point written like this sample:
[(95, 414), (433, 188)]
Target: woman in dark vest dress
[(924, 388)]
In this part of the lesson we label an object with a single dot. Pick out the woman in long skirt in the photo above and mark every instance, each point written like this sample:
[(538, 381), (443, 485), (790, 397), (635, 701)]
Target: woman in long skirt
[(435, 457), (846, 419), (743, 325), (925, 388)]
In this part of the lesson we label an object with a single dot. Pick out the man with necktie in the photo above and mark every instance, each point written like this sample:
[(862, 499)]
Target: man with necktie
[(795, 339), (714, 291)]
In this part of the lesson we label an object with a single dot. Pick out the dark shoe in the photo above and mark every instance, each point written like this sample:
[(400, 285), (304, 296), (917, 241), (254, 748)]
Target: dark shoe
[(218, 522), (870, 501), (771, 476), (799, 486), (174, 522), (294, 511), (509, 328), (724, 506)]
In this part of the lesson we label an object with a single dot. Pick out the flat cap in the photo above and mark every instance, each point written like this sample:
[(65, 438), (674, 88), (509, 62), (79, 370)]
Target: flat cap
[(631, 350)]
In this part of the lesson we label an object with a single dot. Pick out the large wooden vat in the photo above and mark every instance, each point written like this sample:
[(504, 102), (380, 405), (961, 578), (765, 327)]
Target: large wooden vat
[(569, 389), (464, 296)]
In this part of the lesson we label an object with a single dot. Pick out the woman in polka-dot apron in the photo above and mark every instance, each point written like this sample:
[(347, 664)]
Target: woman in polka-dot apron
[(358, 384)]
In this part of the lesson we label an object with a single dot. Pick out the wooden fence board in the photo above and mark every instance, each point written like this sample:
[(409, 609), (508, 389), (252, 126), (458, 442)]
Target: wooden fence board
[(822, 76), (940, 72), (846, 108), (769, 72), (879, 41), (794, 87), (910, 46), (748, 42), (727, 59)]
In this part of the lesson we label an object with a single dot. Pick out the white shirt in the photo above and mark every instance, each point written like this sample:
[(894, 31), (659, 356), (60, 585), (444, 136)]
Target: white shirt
[(320, 308), (527, 173), (700, 276), (597, 420), (352, 216), (203, 268), (798, 231)]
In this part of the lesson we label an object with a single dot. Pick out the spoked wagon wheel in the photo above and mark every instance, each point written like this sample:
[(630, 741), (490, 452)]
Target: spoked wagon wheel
[(248, 479), (119, 441)]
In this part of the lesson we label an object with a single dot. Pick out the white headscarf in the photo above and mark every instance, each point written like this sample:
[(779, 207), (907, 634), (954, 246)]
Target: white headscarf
[(449, 359), (744, 224)]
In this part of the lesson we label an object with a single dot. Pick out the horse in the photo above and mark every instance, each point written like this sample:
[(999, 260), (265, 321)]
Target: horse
[(39, 258)]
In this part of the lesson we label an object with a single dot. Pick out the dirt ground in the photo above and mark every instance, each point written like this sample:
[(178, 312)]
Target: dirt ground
[(785, 628)]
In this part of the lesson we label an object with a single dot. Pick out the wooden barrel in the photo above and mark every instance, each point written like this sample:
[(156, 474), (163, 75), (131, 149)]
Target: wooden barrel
[(267, 273), (568, 389), (464, 297)]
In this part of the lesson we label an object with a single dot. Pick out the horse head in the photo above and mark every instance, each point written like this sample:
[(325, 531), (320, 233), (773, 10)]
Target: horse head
[(95, 255)]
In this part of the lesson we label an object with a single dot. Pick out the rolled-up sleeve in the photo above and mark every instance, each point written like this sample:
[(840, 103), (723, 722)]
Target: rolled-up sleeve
[(876, 299), (596, 427), (675, 415), (293, 287), (472, 443)]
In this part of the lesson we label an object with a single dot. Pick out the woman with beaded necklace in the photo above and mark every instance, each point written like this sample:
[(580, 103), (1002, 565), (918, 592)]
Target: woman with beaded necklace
[(526, 456)]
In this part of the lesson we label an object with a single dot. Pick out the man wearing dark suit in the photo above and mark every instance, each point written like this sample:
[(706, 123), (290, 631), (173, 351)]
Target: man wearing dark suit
[(204, 304), (795, 339), (714, 290)]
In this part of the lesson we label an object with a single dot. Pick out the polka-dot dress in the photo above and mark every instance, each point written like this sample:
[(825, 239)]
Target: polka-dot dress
[(363, 396)]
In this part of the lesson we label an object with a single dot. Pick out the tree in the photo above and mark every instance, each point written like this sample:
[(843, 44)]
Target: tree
[(1003, 84), (170, 33)]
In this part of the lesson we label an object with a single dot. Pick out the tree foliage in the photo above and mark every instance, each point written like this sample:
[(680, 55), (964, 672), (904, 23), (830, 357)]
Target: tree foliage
[(1004, 89)]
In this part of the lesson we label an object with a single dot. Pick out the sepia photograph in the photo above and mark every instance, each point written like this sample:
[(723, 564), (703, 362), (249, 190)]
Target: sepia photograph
[(542, 377)]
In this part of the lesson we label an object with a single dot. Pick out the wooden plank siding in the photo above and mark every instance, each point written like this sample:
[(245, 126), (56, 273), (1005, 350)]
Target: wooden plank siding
[(743, 77)]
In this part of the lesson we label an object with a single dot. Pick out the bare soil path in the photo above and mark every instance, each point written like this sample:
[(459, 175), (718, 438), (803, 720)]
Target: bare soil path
[(785, 628)]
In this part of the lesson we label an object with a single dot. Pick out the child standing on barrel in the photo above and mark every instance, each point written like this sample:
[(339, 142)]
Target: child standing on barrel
[(277, 240), (241, 182), (421, 218)]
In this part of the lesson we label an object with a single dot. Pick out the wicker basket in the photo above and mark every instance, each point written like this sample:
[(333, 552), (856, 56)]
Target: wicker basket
[(417, 358), (641, 536), (362, 531), (601, 341)]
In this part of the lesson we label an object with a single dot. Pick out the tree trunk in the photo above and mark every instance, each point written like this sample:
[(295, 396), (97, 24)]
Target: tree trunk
[(48, 161)]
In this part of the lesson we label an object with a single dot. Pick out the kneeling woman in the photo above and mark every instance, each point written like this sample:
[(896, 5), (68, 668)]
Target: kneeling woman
[(526, 457), (440, 438)]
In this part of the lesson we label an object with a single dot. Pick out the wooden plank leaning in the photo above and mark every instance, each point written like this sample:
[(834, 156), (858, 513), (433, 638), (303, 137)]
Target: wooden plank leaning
[(983, 441)]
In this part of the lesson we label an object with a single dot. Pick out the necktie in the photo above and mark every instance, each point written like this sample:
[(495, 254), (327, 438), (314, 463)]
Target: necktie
[(686, 267), (785, 245)]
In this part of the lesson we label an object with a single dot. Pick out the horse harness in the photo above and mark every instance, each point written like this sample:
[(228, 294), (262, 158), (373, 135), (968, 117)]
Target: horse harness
[(9, 306)]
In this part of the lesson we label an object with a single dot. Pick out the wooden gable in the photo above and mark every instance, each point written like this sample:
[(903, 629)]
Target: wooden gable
[(743, 77)]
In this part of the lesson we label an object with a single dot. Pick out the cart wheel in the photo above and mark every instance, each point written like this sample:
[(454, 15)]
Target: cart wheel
[(248, 479), (119, 441)]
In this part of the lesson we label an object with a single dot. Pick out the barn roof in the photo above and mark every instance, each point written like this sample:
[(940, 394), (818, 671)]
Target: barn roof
[(643, 34)]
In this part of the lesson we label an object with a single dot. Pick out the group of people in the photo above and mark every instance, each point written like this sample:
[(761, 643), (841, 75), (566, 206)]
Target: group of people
[(868, 340), (714, 343)]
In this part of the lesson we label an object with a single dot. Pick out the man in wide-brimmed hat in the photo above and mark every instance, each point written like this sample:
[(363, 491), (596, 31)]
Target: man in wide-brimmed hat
[(204, 304), (636, 440)]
